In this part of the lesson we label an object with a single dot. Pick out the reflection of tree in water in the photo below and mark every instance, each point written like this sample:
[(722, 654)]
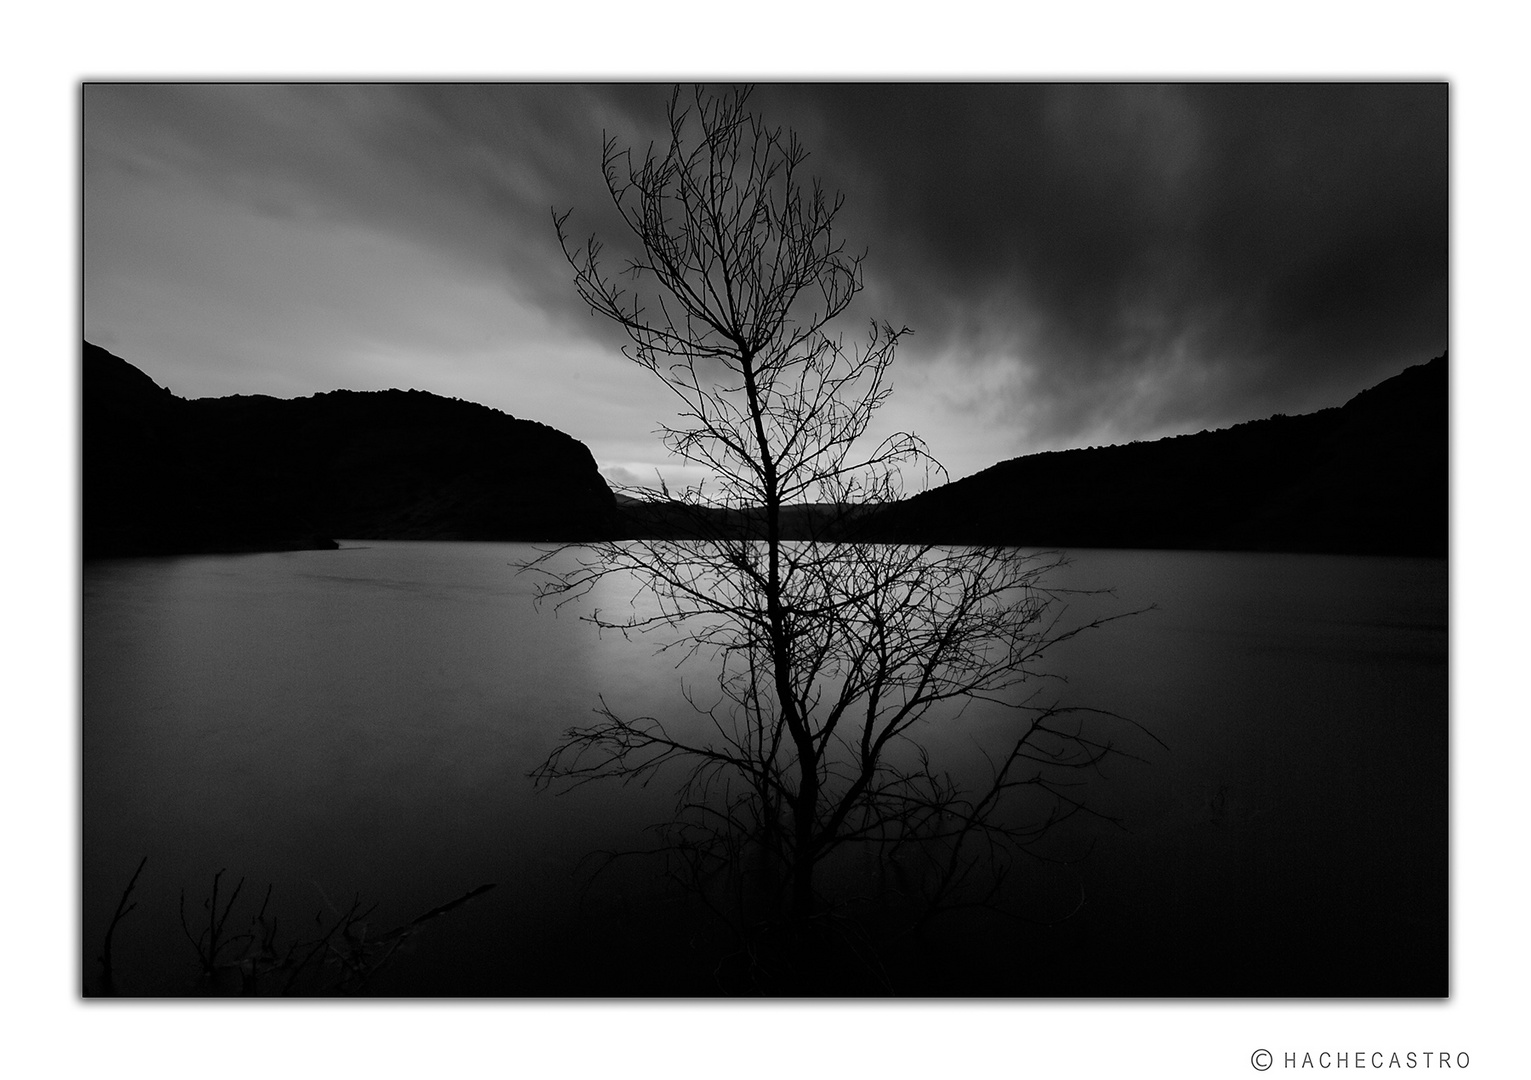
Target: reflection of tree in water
[(830, 654)]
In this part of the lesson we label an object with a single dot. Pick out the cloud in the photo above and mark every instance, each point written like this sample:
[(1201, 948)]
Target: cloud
[(1080, 263), (1146, 256)]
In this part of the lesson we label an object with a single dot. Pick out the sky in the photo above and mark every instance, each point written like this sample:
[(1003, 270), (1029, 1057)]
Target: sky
[(1079, 264)]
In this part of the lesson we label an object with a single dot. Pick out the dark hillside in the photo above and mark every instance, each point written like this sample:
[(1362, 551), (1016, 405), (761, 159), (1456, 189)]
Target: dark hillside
[(163, 474), (1370, 477)]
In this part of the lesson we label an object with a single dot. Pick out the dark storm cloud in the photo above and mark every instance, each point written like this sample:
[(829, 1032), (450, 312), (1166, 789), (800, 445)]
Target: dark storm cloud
[(1245, 247)]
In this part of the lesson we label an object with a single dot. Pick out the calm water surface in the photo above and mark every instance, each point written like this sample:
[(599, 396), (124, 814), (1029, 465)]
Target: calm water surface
[(362, 721)]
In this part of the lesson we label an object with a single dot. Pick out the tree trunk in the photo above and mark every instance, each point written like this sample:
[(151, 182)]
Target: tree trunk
[(803, 854)]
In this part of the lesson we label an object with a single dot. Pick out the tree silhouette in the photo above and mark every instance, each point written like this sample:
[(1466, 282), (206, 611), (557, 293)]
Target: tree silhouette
[(830, 655)]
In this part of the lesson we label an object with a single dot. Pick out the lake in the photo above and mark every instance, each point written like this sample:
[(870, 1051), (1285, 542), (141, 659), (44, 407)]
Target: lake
[(361, 722)]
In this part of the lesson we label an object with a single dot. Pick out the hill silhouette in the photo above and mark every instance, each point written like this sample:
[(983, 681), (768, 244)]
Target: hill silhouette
[(1370, 477), (164, 474)]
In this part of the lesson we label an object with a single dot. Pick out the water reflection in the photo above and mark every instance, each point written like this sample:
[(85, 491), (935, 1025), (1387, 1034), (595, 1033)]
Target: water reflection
[(363, 721)]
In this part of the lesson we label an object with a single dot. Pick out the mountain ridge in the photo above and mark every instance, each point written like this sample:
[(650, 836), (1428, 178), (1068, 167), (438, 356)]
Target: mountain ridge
[(168, 475), (1368, 477), (164, 475)]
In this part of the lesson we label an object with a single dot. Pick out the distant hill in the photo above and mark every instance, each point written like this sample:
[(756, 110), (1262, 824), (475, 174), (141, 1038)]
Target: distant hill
[(163, 474), (671, 519), (1370, 477)]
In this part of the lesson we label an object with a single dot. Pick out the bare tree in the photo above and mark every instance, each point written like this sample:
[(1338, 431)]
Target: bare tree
[(254, 959), (830, 654)]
